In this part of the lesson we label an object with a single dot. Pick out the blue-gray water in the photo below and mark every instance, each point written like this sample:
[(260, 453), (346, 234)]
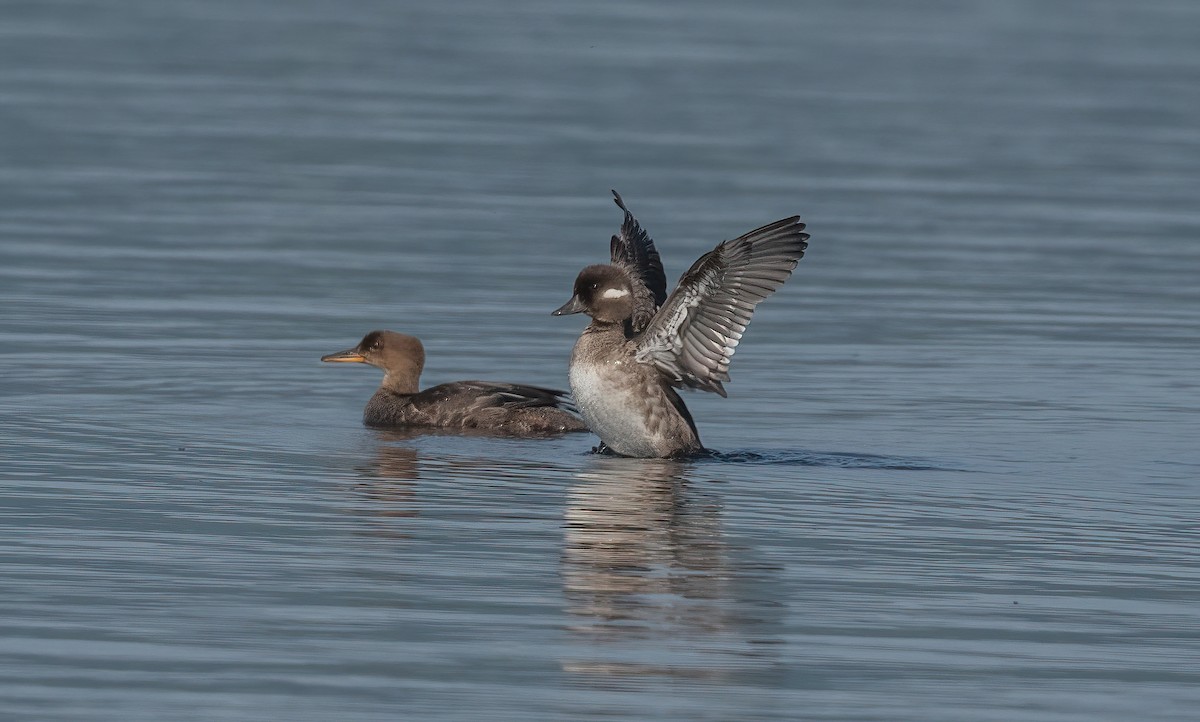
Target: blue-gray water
[(960, 476)]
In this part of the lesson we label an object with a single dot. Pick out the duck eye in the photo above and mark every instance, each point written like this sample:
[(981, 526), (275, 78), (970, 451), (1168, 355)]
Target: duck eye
[(595, 286)]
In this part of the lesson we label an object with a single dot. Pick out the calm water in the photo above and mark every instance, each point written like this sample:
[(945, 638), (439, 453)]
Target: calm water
[(960, 477)]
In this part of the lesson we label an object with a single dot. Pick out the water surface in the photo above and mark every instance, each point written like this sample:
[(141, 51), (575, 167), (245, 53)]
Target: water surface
[(956, 478)]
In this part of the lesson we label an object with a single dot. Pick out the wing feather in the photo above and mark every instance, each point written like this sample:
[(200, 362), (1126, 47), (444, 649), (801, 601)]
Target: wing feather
[(489, 394), (694, 334), (634, 251)]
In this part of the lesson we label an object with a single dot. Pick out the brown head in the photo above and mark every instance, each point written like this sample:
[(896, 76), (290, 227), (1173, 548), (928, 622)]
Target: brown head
[(402, 358), (602, 292)]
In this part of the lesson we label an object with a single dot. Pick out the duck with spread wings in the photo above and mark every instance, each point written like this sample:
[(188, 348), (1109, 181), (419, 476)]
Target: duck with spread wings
[(641, 344)]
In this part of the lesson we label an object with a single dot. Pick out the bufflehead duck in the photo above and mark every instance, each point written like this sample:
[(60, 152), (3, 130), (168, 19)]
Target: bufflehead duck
[(512, 409), (641, 343)]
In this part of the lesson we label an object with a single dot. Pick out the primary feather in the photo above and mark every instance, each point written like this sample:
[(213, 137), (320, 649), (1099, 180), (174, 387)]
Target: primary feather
[(633, 251)]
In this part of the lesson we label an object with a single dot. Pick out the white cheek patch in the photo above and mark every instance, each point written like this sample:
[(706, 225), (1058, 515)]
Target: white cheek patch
[(614, 293)]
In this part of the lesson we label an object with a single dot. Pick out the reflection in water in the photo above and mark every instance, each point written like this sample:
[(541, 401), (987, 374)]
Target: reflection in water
[(386, 488), (395, 461), (631, 534), (645, 562)]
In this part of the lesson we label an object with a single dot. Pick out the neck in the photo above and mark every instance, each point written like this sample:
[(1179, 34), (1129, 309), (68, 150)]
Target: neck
[(598, 326), (401, 382)]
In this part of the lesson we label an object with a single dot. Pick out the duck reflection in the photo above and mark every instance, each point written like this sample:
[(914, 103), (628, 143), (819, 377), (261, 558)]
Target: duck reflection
[(654, 587), (394, 460), (642, 546), (386, 487), (389, 486)]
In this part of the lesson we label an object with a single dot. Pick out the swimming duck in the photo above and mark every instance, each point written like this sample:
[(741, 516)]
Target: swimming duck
[(641, 344), (512, 409)]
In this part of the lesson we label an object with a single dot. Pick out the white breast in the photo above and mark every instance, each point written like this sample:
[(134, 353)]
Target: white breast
[(612, 407)]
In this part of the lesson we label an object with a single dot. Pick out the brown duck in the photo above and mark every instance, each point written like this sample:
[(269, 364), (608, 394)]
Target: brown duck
[(510, 409)]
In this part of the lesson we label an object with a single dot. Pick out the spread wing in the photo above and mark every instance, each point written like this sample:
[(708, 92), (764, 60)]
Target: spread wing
[(633, 250), (693, 336)]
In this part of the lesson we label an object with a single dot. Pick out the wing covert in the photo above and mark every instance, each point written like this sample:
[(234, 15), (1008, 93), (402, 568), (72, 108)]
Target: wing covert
[(694, 335)]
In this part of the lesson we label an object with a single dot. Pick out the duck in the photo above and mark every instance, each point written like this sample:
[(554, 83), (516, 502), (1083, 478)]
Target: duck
[(503, 408), (641, 344)]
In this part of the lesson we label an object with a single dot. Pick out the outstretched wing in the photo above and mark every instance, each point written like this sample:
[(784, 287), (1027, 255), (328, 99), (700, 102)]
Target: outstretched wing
[(633, 250), (693, 336)]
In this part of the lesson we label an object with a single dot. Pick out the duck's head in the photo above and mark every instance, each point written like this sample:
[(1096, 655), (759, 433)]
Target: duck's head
[(400, 356), (602, 292)]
